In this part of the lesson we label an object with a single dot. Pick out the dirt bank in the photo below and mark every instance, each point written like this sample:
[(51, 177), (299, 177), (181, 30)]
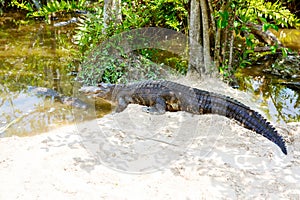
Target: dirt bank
[(141, 156)]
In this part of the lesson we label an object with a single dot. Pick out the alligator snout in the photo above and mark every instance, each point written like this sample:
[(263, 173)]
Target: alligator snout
[(90, 90)]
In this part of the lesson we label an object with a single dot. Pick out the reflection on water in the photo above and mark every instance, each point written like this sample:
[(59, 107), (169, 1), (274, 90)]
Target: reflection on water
[(33, 53), (278, 102), (26, 114)]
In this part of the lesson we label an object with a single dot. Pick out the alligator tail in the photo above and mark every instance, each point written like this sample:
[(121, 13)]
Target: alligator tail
[(250, 119)]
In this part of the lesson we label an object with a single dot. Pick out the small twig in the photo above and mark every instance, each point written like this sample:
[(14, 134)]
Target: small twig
[(156, 140)]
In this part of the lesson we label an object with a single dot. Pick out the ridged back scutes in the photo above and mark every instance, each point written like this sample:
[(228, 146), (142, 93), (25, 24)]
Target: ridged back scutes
[(188, 92)]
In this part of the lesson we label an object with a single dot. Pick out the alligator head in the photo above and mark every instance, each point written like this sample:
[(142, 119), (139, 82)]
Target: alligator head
[(103, 90)]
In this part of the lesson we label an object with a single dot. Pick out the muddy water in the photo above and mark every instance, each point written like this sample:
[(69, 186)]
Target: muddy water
[(33, 53), (279, 102)]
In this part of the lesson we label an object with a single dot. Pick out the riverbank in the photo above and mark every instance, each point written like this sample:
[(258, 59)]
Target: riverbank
[(226, 162)]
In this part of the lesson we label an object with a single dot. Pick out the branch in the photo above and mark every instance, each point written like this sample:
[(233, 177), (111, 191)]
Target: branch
[(264, 36)]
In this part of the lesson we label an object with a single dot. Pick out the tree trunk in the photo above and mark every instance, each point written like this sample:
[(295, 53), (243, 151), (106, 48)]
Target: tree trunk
[(231, 51), (264, 36), (206, 39), (112, 13), (199, 38), (218, 46), (195, 42)]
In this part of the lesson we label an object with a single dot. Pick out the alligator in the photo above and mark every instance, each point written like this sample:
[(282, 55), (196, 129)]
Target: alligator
[(161, 96)]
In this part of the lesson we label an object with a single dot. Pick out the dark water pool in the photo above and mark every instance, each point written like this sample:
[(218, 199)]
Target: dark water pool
[(279, 102)]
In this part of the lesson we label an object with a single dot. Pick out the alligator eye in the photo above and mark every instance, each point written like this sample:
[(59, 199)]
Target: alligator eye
[(102, 85)]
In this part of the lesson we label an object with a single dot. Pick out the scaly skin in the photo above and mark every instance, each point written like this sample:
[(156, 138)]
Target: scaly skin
[(161, 96)]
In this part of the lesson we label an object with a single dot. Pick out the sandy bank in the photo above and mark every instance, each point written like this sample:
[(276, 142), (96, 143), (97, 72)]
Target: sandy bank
[(208, 157)]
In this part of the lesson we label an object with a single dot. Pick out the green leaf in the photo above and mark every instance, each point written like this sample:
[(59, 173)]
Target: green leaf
[(275, 27), (265, 27), (219, 23), (248, 51), (273, 49), (249, 42), (263, 20), (244, 28), (236, 24), (284, 52)]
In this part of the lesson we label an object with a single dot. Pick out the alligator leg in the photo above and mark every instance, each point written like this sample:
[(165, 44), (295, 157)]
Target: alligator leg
[(122, 104), (158, 108)]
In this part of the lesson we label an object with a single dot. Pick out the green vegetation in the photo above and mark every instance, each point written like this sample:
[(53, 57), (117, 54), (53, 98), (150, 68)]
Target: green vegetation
[(250, 21), (134, 15), (256, 10), (171, 14), (51, 7), (90, 31)]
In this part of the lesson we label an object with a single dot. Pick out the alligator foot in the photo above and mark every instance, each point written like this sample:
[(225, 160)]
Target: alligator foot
[(158, 108), (153, 110)]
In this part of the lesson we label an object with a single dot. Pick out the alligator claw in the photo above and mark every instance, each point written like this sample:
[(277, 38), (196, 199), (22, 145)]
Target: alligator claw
[(153, 110), (146, 109)]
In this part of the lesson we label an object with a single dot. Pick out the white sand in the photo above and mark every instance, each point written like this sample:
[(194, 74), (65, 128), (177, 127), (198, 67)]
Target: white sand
[(210, 157)]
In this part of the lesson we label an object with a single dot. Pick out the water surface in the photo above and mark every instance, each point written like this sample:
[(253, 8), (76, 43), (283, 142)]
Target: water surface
[(33, 53), (279, 102)]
